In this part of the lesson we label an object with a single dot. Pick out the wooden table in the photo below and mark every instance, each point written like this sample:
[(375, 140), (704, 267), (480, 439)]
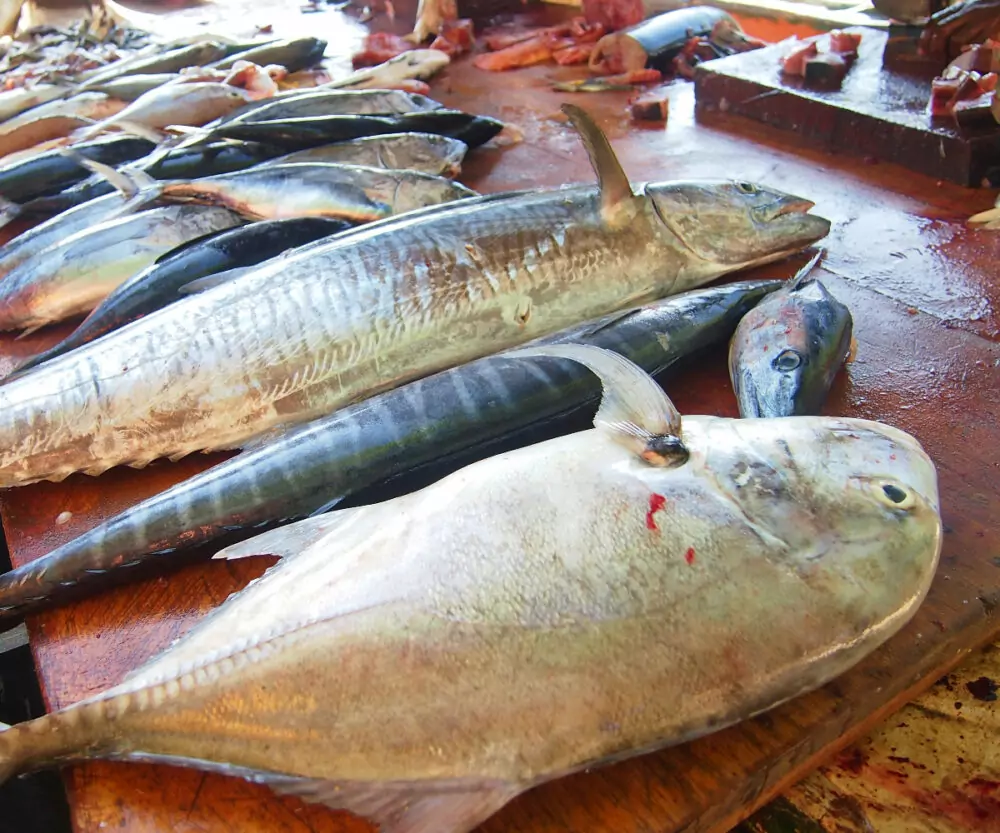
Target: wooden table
[(925, 296)]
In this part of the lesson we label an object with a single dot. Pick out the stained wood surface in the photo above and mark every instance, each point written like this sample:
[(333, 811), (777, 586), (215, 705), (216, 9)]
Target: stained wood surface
[(879, 111), (924, 294)]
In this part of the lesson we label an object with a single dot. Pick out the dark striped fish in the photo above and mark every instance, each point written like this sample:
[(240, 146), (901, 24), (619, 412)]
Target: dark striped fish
[(443, 421)]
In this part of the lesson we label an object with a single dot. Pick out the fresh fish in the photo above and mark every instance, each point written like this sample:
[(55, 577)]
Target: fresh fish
[(74, 276), (159, 284), (425, 152), (130, 87), (180, 163), (293, 55), (301, 134), (34, 241), (92, 105), (312, 189), (490, 405), (195, 55), (50, 172), (378, 307), (417, 63), (14, 102), (332, 103), (786, 352), (35, 132), (192, 103), (422, 661)]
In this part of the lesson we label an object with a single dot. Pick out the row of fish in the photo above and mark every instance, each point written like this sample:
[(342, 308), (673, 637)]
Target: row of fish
[(404, 657)]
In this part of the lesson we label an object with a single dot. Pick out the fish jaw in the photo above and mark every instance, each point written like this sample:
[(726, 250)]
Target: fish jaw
[(736, 224)]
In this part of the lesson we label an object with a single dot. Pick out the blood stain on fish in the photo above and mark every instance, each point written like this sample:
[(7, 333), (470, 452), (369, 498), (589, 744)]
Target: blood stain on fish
[(656, 503)]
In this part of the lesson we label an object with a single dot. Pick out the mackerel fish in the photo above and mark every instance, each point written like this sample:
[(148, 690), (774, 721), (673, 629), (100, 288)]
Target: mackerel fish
[(380, 306), (422, 661), (423, 152), (425, 428)]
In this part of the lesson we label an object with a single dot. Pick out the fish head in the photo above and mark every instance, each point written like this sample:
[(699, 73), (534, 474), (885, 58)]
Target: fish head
[(834, 497), (787, 351), (735, 224)]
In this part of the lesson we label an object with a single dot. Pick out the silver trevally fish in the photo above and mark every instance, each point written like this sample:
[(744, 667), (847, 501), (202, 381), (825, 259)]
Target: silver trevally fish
[(381, 305), (422, 661)]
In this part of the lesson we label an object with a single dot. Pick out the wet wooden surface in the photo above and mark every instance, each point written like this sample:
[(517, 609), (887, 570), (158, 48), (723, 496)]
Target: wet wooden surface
[(878, 111), (924, 294)]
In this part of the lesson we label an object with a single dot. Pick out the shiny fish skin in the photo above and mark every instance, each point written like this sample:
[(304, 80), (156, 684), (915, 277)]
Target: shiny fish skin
[(158, 285), (90, 105), (14, 102), (48, 173), (294, 55), (301, 134), (332, 103), (316, 189), (786, 353), (131, 87), (74, 276), (463, 412), (530, 616), (174, 60), (423, 152)]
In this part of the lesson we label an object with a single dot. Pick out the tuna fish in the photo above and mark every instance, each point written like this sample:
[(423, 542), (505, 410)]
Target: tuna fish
[(422, 661)]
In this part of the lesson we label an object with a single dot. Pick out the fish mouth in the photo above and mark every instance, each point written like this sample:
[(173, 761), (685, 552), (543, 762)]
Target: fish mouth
[(781, 208)]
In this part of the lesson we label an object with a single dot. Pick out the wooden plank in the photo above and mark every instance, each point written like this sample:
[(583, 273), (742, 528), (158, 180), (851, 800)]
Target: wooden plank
[(925, 299), (879, 111)]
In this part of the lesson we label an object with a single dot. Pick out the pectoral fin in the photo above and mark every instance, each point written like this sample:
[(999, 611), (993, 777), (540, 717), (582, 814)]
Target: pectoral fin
[(802, 276), (618, 201), (290, 539), (634, 410)]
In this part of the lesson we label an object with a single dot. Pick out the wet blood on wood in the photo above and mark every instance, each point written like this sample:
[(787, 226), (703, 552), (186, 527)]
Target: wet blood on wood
[(656, 503)]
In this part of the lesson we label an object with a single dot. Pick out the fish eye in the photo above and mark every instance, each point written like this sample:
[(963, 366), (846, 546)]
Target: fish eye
[(894, 496), (787, 360), (746, 187)]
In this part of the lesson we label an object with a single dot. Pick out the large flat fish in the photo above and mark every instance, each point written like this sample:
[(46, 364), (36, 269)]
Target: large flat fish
[(422, 661), (380, 306), (425, 428)]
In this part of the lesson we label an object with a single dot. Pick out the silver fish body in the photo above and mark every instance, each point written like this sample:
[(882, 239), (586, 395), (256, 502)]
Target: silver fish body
[(14, 102), (130, 87), (370, 310), (424, 152), (74, 276), (422, 661), (350, 192), (332, 103), (90, 105)]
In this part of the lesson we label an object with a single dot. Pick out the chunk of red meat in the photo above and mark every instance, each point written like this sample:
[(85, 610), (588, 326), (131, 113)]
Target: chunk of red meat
[(380, 47)]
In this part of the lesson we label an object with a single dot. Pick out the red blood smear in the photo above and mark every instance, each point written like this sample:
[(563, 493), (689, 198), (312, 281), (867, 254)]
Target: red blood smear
[(455, 38), (379, 48), (689, 555), (656, 503)]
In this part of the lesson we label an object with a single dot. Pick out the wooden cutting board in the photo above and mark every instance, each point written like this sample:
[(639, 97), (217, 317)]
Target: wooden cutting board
[(925, 297), (880, 111)]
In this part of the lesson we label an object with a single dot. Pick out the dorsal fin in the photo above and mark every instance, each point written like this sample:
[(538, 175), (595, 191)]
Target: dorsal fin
[(618, 200), (634, 410), (802, 276)]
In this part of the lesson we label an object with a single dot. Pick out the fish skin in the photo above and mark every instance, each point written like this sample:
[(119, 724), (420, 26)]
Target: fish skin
[(174, 60), (315, 189), (293, 55), (130, 87), (191, 103), (786, 352), (75, 275), (489, 405), (158, 285), (424, 660), (491, 275), (50, 172), (89, 105), (15, 102), (424, 152), (305, 133), (332, 103)]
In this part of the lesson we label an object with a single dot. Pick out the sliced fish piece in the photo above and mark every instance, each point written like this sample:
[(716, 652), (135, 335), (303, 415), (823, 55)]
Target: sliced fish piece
[(160, 284), (786, 352), (422, 430), (376, 308), (422, 661), (75, 275)]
